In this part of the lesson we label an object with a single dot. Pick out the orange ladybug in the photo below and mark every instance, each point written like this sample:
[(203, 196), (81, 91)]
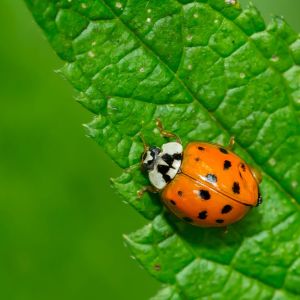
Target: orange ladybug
[(205, 184)]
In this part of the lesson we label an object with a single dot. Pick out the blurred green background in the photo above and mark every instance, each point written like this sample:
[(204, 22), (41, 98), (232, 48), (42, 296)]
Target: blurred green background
[(58, 230)]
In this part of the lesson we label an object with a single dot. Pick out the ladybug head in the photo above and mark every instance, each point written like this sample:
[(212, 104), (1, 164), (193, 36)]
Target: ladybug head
[(162, 164), (149, 158)]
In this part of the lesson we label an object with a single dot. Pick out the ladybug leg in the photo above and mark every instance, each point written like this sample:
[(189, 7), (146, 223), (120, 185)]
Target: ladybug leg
[(256, 173), (166, 133), (147, 188), (231, 143)]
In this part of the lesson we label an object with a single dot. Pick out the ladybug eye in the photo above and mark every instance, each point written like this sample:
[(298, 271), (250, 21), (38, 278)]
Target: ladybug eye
[(154, 151)]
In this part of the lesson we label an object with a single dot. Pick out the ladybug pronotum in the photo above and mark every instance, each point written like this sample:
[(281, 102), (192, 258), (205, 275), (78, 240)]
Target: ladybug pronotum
[(204, 184)]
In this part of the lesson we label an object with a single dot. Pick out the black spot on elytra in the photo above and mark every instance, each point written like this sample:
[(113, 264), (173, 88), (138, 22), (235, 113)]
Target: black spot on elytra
[(180, 193), (197, 159), (243, 167), (204, 194), (187, 219), (259, 199), (211, 178), (202, 215), (220, 221), (173, 202), (201, 148), (227, 164), (226, 209), (236, 187), (223, 150), (168, 159)]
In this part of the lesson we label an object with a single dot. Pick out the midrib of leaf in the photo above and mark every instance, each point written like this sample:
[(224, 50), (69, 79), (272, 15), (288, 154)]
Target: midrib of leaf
[(211, 114)]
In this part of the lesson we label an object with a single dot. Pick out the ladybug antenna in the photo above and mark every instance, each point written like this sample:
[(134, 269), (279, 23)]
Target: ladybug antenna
[(146, 146), (166, 133), (231, 143)]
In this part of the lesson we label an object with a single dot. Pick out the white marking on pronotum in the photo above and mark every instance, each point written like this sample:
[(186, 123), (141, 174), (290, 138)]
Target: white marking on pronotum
[(157, 179), (171, 148)]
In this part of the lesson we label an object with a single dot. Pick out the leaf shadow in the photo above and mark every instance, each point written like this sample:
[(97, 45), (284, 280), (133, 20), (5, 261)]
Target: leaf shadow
[(216, 244)]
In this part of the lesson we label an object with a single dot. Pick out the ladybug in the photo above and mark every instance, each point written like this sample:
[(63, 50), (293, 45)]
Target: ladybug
[(204, 184)]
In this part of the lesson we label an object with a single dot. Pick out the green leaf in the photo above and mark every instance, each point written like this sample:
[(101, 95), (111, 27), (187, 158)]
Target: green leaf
[(208, 70)]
